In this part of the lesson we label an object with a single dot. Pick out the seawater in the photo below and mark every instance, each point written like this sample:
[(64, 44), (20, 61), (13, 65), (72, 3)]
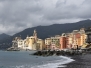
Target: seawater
[(24, 59)]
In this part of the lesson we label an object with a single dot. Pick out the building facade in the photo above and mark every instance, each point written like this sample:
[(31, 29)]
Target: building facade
[(41, 44), (63, 41), (55, 42)]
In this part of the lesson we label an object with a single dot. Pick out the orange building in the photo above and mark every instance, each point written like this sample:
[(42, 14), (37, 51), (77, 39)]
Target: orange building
[(66, 41), (63, 42), (69, 42)]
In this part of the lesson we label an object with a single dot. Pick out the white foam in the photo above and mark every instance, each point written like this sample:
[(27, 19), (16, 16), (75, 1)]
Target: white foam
[(64, 60)]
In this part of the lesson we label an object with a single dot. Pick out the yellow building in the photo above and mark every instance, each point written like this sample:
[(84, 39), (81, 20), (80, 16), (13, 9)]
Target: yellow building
[(47, 41), (29, 42), (83, 39), (55, 40), (33, 43), (70, 40), (41, 44), (79, 37)]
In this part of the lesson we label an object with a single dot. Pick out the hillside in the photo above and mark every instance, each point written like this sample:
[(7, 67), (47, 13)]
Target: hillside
[(3, 36), (47, 31)]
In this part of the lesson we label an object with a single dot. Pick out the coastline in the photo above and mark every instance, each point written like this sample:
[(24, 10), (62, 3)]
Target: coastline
[(81, 61), (75, 61), (22, 59)]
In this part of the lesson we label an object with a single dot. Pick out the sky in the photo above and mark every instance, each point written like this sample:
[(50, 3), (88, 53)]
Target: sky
[(17, 15)]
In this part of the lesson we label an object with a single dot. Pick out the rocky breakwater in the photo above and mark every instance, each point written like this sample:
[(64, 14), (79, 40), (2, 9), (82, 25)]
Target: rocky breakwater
[(58, 52)]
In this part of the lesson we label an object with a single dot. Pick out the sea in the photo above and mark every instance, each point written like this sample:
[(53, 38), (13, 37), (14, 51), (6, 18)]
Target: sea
[(25, 59)]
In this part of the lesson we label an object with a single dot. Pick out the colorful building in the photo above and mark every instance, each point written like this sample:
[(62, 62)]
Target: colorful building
[(48, 41), (63, 41), (67, 40), (55, 42), (83, 39), (29, 43), (79, 37), (72, 40), (41, 44)]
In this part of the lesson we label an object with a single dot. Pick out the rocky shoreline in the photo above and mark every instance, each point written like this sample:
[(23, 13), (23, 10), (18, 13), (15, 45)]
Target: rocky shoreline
[(62, 52), (81, 61)]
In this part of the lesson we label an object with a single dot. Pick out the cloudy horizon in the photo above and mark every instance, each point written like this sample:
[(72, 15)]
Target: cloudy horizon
[(17, 15)]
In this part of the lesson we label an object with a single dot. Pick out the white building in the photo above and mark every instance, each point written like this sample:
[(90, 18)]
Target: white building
[(21, 44)]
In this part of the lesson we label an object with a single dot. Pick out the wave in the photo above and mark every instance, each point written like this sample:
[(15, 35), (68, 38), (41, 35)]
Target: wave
[(57, 63)]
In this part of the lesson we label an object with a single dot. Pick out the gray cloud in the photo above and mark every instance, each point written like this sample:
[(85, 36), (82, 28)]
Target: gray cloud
[(16, 15)]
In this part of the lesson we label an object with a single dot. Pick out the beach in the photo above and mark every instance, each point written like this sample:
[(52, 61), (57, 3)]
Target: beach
[(81, 61)]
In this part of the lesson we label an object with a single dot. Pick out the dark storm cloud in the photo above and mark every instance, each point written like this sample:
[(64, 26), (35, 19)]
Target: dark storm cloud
[(67, 11), (16, 15)]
